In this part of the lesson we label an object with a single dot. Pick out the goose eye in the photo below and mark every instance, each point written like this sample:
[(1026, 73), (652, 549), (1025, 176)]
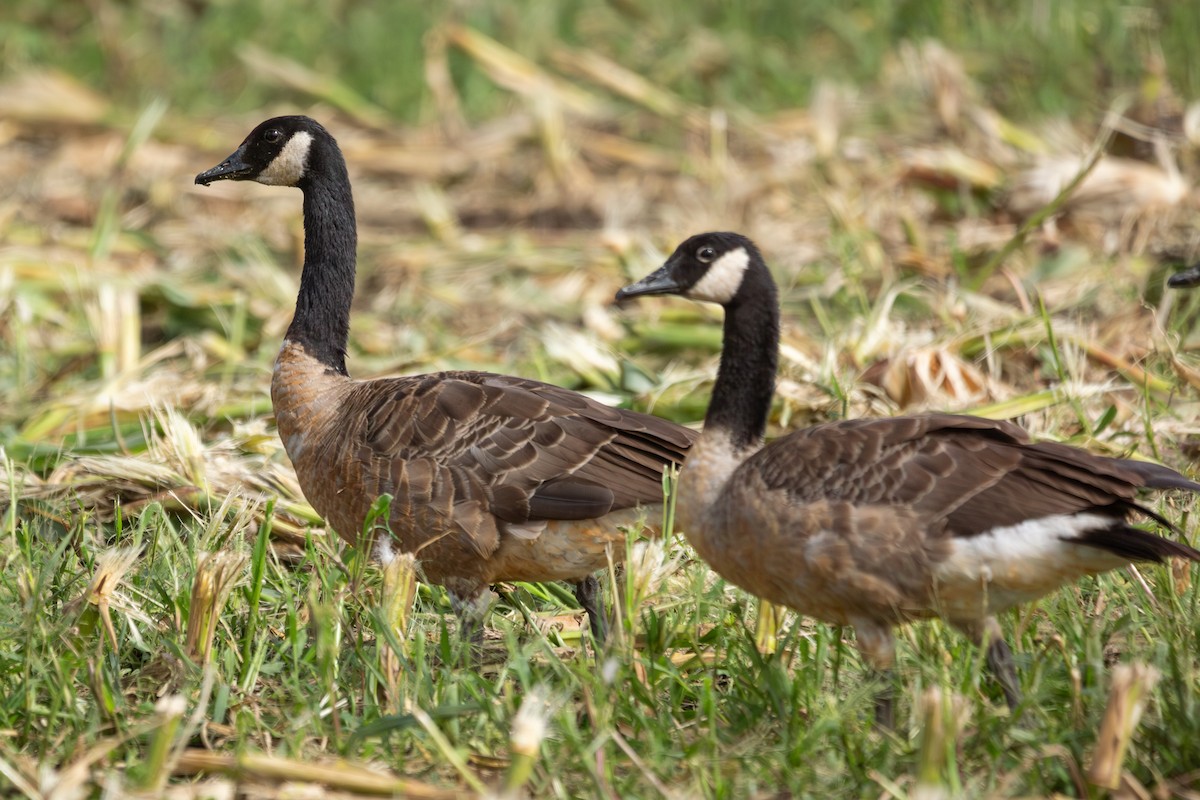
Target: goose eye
[(706, 254), (273, 136)]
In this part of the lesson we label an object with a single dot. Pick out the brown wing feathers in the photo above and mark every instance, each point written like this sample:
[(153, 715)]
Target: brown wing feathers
[(518, 449), (975, 474)]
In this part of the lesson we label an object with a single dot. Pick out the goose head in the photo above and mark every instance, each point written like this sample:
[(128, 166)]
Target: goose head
[(278, 153), (719, 267)]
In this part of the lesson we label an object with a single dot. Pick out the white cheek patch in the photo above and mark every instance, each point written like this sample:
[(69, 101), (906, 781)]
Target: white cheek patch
[(287, 168), (723, 278)]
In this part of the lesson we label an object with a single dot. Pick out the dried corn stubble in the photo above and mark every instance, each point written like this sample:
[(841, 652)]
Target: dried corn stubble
[(1132, 685), (50, 98), (396, 596), (103, 593), (216, 575), (933, 377), (1116, 187), (337, 776), (520, 75), (184, 472), (766, 629), (942, 719), (529, 727)]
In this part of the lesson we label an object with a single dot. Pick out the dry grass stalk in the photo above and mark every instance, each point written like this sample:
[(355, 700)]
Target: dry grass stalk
[(76, 778), (1045, 212), (933, 376), (183, 471), (1133, 373), (338, 776), (646, 568), (940, 75), (50, 98), (441, 85), (438, 212), (766, 628), (520, 75), (296, 76), (216, 575), (579, 350), (1114, 189), (825, 124), (1131, 688), (395, 604), (630, 85), (525, 742), (1181, 575), (559, 152), (951, 169), (111, 568), (116, 320), (639, 155), (399, 585), (941, 722)]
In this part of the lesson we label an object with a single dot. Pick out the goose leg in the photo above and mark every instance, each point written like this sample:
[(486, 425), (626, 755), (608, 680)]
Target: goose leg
[(878, 648), (987, 634), (885, 701), (1000, 662), (590, 595)]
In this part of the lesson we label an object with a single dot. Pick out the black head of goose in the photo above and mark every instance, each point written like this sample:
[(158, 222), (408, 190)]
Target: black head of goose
[(876, 522), (494, 478)]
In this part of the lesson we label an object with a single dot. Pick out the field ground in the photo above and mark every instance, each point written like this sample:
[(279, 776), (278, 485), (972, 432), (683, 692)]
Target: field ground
[(968, 208)]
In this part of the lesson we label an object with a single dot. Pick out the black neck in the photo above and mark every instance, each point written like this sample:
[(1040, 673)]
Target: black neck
[(322, 321), (741, 399)]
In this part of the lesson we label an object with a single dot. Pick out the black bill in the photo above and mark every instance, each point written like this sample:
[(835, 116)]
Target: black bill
[(231, 169), (658, 282)]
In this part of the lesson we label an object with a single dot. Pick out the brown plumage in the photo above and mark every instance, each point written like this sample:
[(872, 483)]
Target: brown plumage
[(873, 523), (493, 478)]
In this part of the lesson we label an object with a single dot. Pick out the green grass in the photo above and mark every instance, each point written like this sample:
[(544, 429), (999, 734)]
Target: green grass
[(139, 319), (760, 55), (305, 673)]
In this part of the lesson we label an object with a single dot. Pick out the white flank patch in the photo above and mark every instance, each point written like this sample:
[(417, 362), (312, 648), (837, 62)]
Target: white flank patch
[(1019, 563), (723, 278), (287, 168)]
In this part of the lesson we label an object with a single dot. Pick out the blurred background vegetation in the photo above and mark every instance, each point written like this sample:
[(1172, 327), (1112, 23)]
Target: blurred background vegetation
[(970, 206), (1034, 57)]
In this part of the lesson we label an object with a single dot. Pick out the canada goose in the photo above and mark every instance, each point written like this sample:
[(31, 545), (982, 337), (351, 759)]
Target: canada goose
[(494, 478), (876, 522)]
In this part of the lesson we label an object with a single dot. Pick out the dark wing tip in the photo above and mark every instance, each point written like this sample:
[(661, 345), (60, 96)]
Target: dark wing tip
[(1135, 544), (1156, 476), (570, 499)]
